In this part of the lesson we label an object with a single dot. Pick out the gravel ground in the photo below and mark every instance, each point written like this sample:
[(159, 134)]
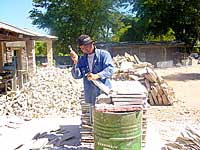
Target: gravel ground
[(172, 120), (165, 123)]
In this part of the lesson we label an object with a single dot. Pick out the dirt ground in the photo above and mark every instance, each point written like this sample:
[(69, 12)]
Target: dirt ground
[(170, 121)]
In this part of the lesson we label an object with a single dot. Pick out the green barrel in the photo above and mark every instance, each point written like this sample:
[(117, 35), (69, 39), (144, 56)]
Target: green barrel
[(117, 131)]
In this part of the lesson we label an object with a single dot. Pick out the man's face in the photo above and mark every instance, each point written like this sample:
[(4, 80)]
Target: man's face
[(87, 49)]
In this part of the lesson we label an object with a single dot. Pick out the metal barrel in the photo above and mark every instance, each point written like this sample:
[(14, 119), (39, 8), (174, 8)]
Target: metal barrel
[(117, 131)]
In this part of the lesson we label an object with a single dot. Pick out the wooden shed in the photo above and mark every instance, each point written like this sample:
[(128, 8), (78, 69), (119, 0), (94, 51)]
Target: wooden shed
[(17, 55), (157, 53)]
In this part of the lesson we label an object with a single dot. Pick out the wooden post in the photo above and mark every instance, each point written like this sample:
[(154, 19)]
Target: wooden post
[(2, 47), (19, 67), (30, 49), (49, 53)]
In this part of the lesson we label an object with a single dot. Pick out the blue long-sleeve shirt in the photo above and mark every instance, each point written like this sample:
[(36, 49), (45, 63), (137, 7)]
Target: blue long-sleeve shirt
[(102, 65)]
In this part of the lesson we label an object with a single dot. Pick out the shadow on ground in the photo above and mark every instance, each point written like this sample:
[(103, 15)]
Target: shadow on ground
[(183, 76), (67, 137)]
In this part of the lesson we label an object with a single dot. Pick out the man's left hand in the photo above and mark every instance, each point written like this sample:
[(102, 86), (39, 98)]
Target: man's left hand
[(92, 76)]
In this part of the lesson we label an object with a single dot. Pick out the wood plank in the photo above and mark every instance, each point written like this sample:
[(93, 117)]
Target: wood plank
[(137, 59), (159, 89), (165, 100), (152, 74), (160, 99), (151, 101), (154, 95), (148, 77)]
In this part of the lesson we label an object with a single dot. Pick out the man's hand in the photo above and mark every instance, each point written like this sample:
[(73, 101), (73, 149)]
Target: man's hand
[(74, 57), (92, 76)]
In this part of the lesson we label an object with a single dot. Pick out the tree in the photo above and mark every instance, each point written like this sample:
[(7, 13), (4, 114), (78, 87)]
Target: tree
[(136, 30), (163, 16), (67, 19), (40, 48)]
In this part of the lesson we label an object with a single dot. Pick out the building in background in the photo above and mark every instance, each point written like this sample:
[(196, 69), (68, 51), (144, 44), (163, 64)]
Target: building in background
[(17, 55)]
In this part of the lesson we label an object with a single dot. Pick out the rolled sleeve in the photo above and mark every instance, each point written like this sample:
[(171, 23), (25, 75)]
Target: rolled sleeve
[(76, 72), (108, 66)]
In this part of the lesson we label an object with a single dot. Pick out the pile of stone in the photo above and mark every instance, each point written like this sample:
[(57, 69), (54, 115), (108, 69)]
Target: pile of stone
[(51, 92), (131, 68), (189, 139), (160, 93)]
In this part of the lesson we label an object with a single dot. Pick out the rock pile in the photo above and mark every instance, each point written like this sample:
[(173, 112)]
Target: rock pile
[(189, 139), (51, 92), (130, 68)]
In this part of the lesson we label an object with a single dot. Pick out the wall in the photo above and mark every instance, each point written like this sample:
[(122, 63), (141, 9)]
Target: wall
[(151, 53), (58, 60)]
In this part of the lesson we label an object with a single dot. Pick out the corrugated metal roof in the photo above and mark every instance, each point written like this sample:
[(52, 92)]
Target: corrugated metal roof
[(13, 29), (28, 32), (140, 43), (40, 34)]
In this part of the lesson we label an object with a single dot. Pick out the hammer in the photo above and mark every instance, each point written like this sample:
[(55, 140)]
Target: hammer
[(73, 55)]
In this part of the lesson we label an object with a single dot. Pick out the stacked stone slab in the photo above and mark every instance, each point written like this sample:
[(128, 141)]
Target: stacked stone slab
[(87, 139)]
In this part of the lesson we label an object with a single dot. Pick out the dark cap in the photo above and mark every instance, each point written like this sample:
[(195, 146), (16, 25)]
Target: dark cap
[(84, 40)]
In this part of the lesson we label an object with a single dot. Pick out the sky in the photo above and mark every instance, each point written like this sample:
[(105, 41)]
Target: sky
[(16, 13)]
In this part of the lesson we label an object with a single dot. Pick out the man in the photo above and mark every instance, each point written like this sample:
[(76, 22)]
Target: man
[(95, 64)]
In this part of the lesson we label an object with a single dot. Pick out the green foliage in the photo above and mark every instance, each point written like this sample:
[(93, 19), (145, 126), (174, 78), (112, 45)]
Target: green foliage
[(151, 20), (136, 30), (182, 16), (120, 33), (60, 54), (67, 19), (169, 36), (40, 48), (195, 49)]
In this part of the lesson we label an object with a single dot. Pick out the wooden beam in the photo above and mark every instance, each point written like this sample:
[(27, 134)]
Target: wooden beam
[(49, 53), (2, 47), (4, 37), (30, 48)]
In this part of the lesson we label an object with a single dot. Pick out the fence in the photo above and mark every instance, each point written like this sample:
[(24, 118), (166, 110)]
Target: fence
[(60, 61)]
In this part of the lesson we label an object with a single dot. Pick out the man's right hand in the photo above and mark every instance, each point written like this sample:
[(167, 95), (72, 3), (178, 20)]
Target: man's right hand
[(74, 56), (92, 76)]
